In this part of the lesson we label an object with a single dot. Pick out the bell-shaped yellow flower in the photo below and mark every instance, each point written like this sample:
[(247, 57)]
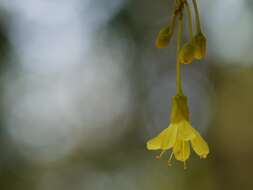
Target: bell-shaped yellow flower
[(179, 135)]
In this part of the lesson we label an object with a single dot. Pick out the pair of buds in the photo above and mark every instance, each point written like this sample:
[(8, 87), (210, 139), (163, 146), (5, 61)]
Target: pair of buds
[(196, 48)]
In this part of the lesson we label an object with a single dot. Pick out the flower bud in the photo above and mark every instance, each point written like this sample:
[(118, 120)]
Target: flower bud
[(164, 36), (199, 42), (186, 54)]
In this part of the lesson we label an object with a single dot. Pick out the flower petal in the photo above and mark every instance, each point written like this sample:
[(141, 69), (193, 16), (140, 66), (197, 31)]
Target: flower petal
[(199, 145), (182, 150), (185, 131), (164, 140), (170, 137)]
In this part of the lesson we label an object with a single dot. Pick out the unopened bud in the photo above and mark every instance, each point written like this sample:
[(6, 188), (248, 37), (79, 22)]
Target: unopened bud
[(199, 42), (164, 36), (186, 54)]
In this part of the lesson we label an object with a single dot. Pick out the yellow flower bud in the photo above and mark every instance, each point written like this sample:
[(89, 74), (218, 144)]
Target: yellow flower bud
[(186, 54), (199, 42), (164, 36)]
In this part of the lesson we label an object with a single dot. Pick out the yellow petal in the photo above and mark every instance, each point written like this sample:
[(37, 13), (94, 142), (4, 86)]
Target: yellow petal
[(165, 140), (182, 150), (170, 138), (199, 145), (185, 131)]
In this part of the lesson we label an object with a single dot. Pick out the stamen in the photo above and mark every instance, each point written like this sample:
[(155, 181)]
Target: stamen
[(158, 157), (183, 149), (202, 156), (185, 167), (171, 156)]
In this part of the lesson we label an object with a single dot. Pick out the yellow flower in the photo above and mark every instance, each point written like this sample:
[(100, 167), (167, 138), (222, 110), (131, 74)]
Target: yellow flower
[(179, 135)]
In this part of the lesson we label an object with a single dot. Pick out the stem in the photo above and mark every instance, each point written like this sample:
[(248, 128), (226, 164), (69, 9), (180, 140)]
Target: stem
[(179, 38), (173, 17), (198, 25), (189, 18)]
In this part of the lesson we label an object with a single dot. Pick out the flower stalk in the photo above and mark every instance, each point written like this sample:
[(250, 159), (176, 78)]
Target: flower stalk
[(179, 38), (198, 23), (189, 19)]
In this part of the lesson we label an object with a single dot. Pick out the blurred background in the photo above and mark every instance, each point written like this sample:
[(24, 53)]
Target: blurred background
[(83, 88)]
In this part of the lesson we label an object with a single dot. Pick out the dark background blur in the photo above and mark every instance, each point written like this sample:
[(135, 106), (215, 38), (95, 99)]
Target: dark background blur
[(83, 88)]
